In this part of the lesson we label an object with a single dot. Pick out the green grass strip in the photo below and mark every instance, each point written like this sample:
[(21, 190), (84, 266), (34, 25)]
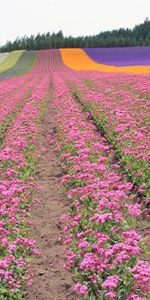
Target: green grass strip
[(3, 56), (11, 60), (23, 65)]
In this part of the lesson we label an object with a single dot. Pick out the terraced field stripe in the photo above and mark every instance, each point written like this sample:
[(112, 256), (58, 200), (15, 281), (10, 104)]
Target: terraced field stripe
[(78, 60), (22, 66), (3, 56), (56, 62), (11, 60), (120, 56)]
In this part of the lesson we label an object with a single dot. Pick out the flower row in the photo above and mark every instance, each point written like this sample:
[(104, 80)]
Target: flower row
[(103, 247), (122, 116), (18, 157)]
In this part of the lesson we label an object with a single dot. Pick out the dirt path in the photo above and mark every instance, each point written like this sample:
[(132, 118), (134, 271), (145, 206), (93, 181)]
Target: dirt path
[(50, 280)]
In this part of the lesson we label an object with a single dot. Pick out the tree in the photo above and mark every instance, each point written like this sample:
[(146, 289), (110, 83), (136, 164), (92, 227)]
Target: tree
[(139, 35)]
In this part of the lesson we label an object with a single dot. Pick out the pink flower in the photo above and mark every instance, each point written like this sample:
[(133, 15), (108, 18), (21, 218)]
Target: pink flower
[(141, 274), (12, 247), (134, 209), (111, 295), (81, 289), (111, 282), (83, 244), (89, 262), (135, 297), (101, 218), (5, 242)]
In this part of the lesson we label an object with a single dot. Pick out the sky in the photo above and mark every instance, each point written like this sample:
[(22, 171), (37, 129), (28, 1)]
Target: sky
[(73, 17)]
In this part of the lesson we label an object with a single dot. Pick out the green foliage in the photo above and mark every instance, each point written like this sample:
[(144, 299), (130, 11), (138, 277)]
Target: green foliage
[(5, 294)]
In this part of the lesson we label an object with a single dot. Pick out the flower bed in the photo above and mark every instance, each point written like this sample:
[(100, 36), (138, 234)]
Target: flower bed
[(120, 56), (103, 245), (18, 157), (122, 117)]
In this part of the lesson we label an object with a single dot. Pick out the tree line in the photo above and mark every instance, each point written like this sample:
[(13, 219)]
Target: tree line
[(138, 36)]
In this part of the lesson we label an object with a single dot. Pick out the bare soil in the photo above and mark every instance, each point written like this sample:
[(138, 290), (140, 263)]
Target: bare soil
[(50, 281)]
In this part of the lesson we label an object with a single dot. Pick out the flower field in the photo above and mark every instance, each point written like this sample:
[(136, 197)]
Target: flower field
[(92, 121), (77, 59), (124, 56)]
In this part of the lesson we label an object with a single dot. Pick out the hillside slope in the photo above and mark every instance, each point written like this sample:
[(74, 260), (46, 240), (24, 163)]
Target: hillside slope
[(22, 66), (3, 56), (120, 56), (78, 60), (11, 60)]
